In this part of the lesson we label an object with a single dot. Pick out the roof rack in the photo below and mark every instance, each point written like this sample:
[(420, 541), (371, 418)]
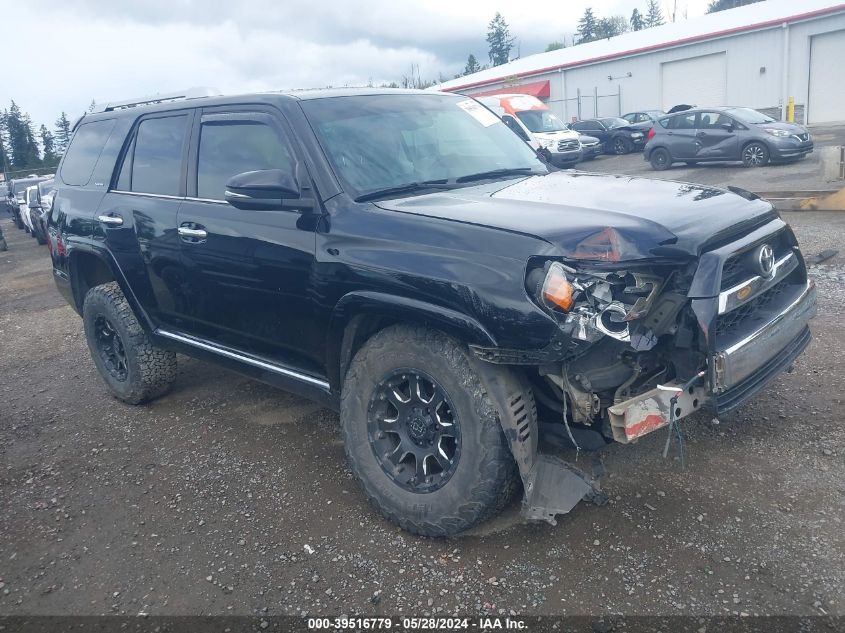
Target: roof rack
[(191, 93)]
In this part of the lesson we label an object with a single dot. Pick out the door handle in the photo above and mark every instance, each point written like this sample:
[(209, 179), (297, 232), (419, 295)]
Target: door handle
[(111, 220), (194, 233), (701, 134)]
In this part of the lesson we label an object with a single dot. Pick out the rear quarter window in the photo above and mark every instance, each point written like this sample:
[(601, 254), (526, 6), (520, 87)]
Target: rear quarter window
[(84, 151)]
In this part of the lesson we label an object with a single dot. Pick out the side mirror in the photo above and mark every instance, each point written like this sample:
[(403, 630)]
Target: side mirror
[(34, 204), (728, 127), (261, 190)]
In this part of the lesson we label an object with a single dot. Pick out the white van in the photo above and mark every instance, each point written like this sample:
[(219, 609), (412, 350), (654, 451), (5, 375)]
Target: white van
[(533, 121)]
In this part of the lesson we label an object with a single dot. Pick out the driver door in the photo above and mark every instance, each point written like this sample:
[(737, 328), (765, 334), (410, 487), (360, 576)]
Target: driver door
[(717, 137), (248, 272)]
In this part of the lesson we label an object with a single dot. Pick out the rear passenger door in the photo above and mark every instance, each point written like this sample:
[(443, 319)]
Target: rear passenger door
[(138, 215), (249, 271), (682, 142)]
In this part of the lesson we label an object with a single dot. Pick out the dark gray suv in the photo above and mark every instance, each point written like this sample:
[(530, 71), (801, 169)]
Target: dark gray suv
[(724, 134)]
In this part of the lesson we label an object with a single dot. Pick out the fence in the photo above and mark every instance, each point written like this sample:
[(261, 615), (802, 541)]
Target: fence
[(24, 173)]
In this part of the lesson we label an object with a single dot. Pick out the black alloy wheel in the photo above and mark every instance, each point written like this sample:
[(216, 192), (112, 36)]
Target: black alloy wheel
[(413, 430), (621, 146), (111, 349)]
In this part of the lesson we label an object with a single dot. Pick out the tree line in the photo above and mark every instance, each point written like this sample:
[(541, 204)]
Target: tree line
[(23, 146)]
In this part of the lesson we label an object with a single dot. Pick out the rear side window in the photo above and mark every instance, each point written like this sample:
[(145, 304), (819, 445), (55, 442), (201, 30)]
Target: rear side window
[(233, 147), (682, 122), (155, 158), (84, 150)]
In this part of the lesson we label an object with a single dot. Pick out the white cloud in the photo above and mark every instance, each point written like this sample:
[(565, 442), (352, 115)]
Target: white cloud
[(109, 50)]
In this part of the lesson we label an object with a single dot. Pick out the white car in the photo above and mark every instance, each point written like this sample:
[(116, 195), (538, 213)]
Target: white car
[(30, 195)]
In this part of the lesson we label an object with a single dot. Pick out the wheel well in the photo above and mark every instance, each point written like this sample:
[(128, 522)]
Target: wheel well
[(87, 271), (357, 332)]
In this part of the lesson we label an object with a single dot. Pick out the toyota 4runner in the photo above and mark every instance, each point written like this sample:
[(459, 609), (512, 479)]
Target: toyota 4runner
[(404, 258)]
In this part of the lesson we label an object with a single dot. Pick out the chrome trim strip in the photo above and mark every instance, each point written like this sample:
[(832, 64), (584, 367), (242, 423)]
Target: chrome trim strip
[(147, 195), (758, 284), (192, 199), (236, 195), (278, 369), (808, 289)]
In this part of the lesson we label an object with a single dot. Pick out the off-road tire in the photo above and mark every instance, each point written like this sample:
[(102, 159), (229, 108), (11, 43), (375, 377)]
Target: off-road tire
[(485, 478), (3, 245), (660, 159), (150, 370)]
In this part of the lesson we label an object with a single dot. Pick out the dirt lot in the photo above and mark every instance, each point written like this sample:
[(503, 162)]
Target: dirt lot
[(228, 497)]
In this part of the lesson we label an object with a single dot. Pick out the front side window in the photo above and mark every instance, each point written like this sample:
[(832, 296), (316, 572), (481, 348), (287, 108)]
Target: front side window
[(85, 148), (711, 120), (228, 148), (157, 157), (377, 142), (614, 122)]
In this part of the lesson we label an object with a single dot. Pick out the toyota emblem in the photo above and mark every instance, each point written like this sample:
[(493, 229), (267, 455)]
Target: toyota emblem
[(765, 259)]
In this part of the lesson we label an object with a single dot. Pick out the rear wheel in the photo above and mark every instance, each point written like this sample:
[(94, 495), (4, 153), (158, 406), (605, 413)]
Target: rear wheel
[(660, 159), (132, 367), (755, 154), (422, 434)]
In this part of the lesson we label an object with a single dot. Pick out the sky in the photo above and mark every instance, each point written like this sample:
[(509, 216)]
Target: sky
[(69, 52)]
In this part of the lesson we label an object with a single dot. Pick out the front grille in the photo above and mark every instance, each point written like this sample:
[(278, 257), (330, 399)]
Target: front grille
[(740, 267), (567, 145), (747, 313)]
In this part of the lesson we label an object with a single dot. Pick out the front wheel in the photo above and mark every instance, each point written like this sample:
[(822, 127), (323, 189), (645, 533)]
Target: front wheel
[(622, 145), (755, 155), (134, 369), (422, 434), (660, 159)]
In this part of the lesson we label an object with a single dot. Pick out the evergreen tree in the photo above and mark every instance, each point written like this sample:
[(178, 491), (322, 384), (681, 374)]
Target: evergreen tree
[(92, 107), (554, 46), (499, 40), (587, 27), (48, 147), (62, 134), (654, 16), (721, 5), (472, 65), (637, 23), (22, 143), (611, 27)]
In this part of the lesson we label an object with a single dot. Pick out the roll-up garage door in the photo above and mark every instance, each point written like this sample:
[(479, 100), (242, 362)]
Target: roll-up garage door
[(697, 81), (827, 90)]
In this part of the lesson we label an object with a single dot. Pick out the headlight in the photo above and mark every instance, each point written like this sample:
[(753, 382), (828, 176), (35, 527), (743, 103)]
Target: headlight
[(546, 143), (776, 132), (636, 135), (591, 304)]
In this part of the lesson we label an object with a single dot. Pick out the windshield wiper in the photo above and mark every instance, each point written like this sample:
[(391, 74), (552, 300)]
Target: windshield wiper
[(410, 187), (496, 173)]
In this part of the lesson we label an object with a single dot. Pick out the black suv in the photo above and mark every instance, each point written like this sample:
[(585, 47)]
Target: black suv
[(406, 259)]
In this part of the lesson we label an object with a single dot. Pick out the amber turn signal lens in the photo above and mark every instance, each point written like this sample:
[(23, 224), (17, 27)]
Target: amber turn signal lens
[(557, 290)]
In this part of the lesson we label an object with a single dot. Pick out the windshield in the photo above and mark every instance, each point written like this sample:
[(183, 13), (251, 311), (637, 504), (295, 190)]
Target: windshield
[(541, 121), (20, 186), (385, 141), (747, 115), (614, 122)]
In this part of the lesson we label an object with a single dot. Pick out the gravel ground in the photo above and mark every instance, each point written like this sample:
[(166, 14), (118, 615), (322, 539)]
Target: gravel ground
[(803, 175), (229, 497)]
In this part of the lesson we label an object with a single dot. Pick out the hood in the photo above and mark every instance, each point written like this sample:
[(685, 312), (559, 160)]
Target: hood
[(556, 136), (654, 218)]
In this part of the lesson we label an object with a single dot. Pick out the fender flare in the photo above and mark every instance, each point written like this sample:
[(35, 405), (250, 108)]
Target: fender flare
[(350, 310), (106, 258)]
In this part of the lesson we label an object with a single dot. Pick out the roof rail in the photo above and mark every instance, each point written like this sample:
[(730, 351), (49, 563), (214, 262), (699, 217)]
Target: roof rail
[(190, 93)]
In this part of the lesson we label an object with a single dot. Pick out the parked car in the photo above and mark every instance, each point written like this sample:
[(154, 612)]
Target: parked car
[(725, 134), (403, 257), (528, 116), (616, 134), (3, 245), (4, 198), (39, 205), (590, 147), (643, 119), (30, 202), (17, 198)]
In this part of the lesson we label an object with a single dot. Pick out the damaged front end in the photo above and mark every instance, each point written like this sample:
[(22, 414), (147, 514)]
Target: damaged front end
[(644, 343)]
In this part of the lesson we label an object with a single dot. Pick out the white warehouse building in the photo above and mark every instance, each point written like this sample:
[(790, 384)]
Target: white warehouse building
[(758, 56)]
